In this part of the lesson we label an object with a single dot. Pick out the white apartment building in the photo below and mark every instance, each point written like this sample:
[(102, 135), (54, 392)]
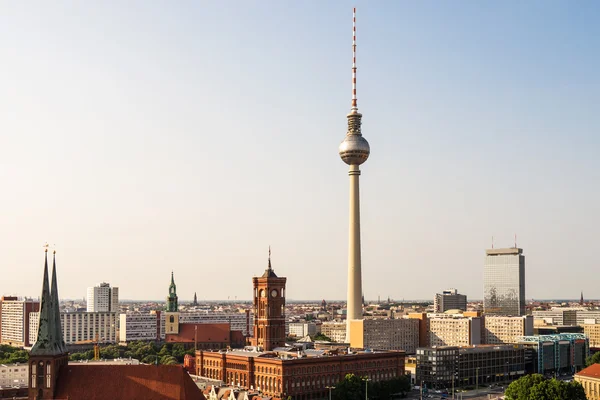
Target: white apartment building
[(386, 334), (103, 298), (336, 331), (301, 329), (499, 329), (81, 327), (455, 331), (14, 375), (14, 320), (137, 326)]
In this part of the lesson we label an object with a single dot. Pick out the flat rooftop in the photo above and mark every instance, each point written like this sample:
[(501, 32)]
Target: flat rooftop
[(498, 252)]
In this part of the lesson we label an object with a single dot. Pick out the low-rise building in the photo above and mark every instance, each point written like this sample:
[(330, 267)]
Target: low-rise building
[(301, 329), (14, 375), (307, 376), (590, 380), (592, 331), (560, 353), (500, 329), (557, 316), (81, 327), (335, 331), (448, 366), (385, 334)]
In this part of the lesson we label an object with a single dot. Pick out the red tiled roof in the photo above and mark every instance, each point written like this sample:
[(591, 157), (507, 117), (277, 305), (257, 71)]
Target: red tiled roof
[(593, 371), (207, 333), (148, 382)]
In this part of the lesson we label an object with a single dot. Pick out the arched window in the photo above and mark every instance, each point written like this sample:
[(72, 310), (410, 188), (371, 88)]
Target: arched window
[(172, 319)]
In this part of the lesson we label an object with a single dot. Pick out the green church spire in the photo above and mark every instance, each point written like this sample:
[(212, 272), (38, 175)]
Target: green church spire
[(172, 299)]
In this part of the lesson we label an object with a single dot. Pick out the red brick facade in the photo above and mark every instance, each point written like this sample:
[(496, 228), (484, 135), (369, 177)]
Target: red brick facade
[(300, 378)]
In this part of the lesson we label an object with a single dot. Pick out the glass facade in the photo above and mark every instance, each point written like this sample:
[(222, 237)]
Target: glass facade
[(504, 282)]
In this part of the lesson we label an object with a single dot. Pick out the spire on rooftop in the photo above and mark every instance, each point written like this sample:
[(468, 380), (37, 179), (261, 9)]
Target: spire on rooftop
[(57, 334), (49, 339)]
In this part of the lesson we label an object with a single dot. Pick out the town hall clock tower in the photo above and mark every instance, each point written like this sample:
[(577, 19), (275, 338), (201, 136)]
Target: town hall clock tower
[(269, 310)]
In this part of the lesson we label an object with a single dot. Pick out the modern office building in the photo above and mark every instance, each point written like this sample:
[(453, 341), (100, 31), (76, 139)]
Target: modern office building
[(14, 320), (354, 151), (455, 330), (504, 282), (500, 329), (561, 353), (386, 334), (449, 300), (451, 366), (336, 331), (590, 380), (78, 327), (592, 331), (103, 298)]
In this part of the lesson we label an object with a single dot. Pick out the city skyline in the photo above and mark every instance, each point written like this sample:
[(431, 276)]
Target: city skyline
[(148, 139)]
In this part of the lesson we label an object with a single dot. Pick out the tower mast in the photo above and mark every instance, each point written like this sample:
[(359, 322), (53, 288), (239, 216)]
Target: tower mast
[(354, 151)]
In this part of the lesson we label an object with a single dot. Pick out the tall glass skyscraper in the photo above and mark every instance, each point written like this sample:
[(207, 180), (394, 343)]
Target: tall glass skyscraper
[(504, 282)]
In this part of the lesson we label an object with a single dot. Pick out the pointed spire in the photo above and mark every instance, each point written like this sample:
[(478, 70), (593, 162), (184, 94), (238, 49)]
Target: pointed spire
[(57, 334), (270, 258), (581, 299), (45, 344), (172, 278)]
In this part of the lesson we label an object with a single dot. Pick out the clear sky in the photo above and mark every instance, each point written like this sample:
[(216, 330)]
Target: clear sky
[(147, 137)]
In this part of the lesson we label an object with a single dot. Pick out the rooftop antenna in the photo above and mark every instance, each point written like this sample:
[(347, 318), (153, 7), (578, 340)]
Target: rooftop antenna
[(492, 242), (515, 240), (354, 107)]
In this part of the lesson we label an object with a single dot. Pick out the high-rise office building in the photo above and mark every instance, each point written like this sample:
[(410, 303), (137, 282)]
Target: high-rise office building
[(449, 300), (354, 151), (504, 282), (103, 298)]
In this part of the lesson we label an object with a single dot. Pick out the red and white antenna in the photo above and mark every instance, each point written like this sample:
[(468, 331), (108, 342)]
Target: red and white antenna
[(354, 102)]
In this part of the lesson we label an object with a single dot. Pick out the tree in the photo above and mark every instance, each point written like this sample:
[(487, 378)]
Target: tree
[(595, 359), (536, 387), (320, 336), (351, 388)]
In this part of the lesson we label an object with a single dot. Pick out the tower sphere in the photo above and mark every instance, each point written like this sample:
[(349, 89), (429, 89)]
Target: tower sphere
[(354, 150)]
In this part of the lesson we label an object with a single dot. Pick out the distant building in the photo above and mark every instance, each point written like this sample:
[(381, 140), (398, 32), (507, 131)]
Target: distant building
[(301, 329), (103, 298), (385, 334), (81, 327), (455, 330), (448, 366), (590, 380), (135, 326), (561, 353), (500, 329), (14, 320), (592, 331), (14, 375), (504, 282), (207, 337), (335, 331), (557, 316), (449, 300)]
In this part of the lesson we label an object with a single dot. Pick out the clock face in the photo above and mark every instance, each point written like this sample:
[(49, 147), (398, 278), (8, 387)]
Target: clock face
[(274, 293), (262, 293)]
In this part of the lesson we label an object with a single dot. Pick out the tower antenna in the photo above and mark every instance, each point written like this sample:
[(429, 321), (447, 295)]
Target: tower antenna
[(492, 242), (354, 100), (515, 240)]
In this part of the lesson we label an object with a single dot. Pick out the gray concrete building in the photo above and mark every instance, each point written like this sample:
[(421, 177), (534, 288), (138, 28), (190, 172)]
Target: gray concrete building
[(449, 300)]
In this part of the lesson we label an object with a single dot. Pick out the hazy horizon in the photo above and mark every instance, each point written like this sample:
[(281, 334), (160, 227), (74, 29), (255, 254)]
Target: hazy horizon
[(142, 138)]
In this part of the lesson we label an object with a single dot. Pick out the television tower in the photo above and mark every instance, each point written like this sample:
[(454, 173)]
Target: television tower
[(354, 151)]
